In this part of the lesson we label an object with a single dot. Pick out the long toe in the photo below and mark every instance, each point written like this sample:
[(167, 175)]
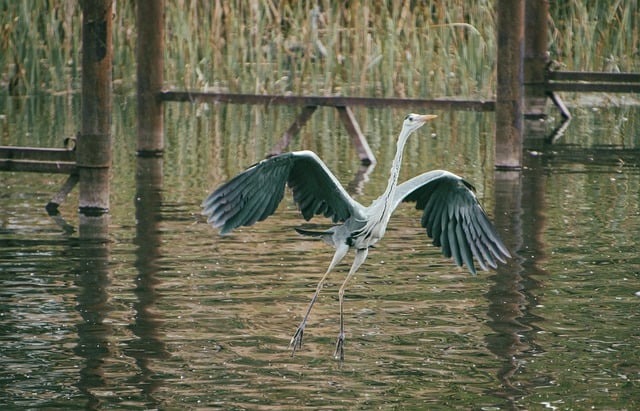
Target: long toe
[(296, 340), (339, 353)]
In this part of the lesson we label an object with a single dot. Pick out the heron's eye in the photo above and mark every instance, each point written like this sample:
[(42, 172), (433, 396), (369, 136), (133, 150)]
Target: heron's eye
[(409, 117)]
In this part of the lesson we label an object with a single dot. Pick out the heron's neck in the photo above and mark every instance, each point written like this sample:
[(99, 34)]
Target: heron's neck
[(395, 166)]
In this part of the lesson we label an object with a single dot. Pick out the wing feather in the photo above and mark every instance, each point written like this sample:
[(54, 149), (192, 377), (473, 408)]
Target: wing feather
[(465, 246), (255, 194), (475, 248), (432, 217), (454, 218), (443, 234), (482, 243), (453, 242)]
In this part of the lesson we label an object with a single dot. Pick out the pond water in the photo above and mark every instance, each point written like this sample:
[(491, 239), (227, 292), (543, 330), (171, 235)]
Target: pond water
[(167, 314)]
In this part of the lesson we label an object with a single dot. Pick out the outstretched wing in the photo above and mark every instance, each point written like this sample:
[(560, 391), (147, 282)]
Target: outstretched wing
[(454, 219), (254, 194)]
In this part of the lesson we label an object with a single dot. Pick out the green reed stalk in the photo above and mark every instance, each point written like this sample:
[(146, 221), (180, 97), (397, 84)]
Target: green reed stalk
[(362, 47)]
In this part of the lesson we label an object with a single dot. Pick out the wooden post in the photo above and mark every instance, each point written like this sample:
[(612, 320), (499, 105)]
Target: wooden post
[(150, 61), (536, 57), (509, 93), (93, 151)]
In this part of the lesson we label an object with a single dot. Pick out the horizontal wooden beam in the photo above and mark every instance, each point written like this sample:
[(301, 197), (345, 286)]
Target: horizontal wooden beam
[(593, 76), (593, 87), (36, 153), (593, 82), (592, 155), (37, 160), (61, 167), (330, 101)]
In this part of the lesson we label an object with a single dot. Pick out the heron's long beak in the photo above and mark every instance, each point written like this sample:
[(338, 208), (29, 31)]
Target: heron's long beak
[(426, 117)]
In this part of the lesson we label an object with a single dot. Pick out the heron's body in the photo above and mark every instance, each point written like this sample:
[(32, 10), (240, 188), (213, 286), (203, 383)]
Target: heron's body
[(451, 215)]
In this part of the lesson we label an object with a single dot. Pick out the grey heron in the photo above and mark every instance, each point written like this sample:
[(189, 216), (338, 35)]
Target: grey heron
[(451, 213)]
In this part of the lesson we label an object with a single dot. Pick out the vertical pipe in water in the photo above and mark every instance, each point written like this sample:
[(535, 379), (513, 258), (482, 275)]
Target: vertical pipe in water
[(149, 56), (536, 57), (93, 150)]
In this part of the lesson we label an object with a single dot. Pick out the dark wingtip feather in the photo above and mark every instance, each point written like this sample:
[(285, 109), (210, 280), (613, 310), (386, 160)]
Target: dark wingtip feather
[(455, 220)]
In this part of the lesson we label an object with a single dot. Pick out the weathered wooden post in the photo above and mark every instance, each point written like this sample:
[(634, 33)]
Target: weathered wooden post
[(509, 90), (150, 55), (93, 151), (536, 57)]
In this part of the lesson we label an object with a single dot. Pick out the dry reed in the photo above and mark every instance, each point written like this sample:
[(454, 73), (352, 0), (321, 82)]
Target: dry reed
[(361, 47)]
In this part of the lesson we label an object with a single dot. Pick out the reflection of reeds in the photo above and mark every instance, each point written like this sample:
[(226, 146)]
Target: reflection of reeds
[(363, 47)]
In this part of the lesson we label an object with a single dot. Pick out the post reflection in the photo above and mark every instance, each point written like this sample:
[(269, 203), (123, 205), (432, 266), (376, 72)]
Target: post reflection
[(149, 344), (93, 279), (510, 297), (356, 185)]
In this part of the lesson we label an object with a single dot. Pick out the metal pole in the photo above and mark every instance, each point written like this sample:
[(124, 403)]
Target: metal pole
[(93, 151), (150, 55), (509, 93)]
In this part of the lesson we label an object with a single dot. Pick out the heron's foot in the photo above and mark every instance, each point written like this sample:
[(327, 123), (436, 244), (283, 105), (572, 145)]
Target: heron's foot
[(296, 340), (339, 353)]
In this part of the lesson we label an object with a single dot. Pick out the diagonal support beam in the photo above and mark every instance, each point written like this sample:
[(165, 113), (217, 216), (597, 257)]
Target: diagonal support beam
[(350, 123), (62, 194), (295, 128), (358, 139)]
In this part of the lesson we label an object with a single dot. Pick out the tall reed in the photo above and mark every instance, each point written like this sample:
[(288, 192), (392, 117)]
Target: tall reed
[(596, 35), (361, 47)]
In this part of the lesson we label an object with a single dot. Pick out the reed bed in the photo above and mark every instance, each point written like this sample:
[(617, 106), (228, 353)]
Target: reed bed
[(595, 35), (365, 48), (356, 48)]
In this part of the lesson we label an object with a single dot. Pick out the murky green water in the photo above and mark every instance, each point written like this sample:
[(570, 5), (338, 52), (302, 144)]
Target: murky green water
[(169, 315)]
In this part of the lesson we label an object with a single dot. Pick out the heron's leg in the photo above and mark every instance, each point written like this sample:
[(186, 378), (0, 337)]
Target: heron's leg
[(296, 340), (361, 255)]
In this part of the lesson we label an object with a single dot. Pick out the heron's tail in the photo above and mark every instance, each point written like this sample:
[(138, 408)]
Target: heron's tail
[(327, 236), (313, 233)]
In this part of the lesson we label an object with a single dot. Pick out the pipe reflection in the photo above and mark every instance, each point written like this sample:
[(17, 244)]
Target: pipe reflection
[(356, 185), (510, 296), (93, 279), (149, 345)]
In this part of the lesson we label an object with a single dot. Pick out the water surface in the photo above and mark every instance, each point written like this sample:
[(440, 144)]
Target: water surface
[(167, 314)]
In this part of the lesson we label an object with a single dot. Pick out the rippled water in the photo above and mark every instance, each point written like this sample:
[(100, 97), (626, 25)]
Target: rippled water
[(167, 314)]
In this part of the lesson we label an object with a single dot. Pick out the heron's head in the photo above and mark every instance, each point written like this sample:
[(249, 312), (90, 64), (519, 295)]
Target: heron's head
[(412, 121)]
